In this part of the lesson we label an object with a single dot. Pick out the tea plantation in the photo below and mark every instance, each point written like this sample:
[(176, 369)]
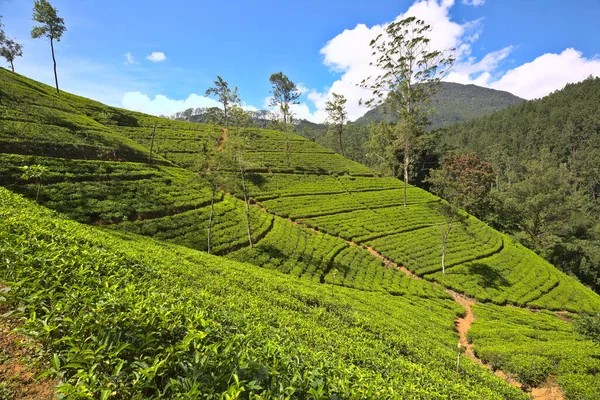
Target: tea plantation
[(302, 296)]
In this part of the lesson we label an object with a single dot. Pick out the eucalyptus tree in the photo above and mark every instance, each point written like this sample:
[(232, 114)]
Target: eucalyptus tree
[(209, 168), (464, 181), (409, 73), (284, 94), (234, 159), (51, 26), (337, 115), (2, 33), (227, 97), (9, 50)]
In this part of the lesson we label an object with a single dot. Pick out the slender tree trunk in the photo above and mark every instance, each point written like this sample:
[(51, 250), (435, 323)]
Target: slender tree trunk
[(406, 159), (54, 60), (341, 144), (37, 195), (246, 202), (287, 150), (210, 218), (152, 144), (444, 240), (12, 66)]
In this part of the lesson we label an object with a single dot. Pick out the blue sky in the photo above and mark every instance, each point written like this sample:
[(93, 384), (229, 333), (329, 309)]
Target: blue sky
[(529, 48)]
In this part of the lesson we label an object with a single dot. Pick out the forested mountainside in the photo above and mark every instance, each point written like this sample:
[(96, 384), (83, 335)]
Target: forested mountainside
[(320, 284), (453, 103), (545, 156)]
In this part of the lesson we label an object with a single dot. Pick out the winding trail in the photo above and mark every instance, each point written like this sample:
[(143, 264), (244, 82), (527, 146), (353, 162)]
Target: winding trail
[(549, 390)]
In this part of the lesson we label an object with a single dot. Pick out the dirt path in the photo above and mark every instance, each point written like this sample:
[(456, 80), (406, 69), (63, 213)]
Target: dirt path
[(223, 139), (549, 390), (18, 369)]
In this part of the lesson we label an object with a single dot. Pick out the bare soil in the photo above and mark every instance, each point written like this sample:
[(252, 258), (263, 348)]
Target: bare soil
[(19, 366)]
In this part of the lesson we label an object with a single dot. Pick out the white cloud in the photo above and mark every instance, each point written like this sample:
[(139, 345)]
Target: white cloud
[(473, 2), (157, 56), (464, 69), (547, 73), (350, 52), (162, 105), (129, 59)]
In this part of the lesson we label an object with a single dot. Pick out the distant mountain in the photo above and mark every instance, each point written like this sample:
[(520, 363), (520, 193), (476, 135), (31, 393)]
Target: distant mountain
[(455, 103)]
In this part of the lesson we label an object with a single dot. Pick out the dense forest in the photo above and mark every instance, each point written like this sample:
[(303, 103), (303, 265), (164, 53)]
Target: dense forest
[(547, 178), (453, 103)]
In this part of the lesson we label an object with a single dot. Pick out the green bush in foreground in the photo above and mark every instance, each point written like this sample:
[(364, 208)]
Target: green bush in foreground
[(126, 317)]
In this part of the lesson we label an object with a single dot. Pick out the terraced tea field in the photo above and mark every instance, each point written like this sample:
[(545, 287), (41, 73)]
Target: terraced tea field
[(325, 274)]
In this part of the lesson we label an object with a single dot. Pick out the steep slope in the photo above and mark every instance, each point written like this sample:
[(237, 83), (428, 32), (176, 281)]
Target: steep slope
[(317, 216), (454, 103), (144, 318), (545, 157)]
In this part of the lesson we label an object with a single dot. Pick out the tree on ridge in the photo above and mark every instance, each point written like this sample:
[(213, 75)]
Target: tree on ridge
[(337, 115), (410, 72), (285, 93), (227, 97), (51, 26)]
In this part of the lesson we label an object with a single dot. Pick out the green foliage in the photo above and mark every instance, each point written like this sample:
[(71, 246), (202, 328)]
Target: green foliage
[(533, 345), (105, 192), (284, 93), (51, 25), (453, 103), (337, 116), (128, 317), (227, 97), (545, 155), (463, 180), (420, 250), (589, 325), (9, 50), (190, 228)]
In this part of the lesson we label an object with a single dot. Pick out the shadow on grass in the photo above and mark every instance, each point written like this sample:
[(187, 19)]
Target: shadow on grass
[(487, 276)]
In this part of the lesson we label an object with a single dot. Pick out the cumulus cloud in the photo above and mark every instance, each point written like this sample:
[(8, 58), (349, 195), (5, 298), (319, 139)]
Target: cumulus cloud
[(157, 56), (129, 59), (162, 105), (349, 54), (547, 73), (473, 2)]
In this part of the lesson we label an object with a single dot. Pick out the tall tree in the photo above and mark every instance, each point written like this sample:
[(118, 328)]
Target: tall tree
[(337, 115), (227, 97), (410, 72), (2, 34), (284, 93), (9, 49), (209, 169), (464, 181), (51, 26), (235, 149)]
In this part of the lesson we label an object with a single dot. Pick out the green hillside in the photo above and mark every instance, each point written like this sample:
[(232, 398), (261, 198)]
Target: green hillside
[(545, 157), (340, 295), (453, 103)]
